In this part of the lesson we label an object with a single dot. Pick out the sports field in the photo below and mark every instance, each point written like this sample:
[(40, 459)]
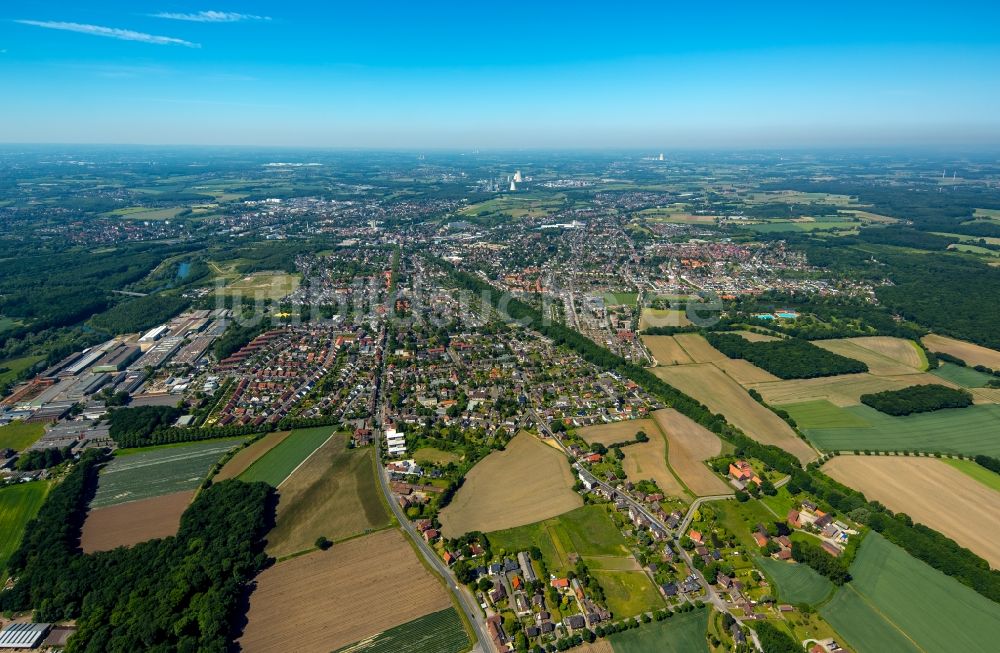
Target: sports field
[(157, 471), (527, 482), (712, 387), (688, 445), (796, 583), (275, 466), (334, 494), (18, 505), (20, 435), (682, 633), (127, 524), (666, 350), (897, 603), (931, 493), (841, 390), (326, 600), (438, 632), (969, 431), (970, 353)]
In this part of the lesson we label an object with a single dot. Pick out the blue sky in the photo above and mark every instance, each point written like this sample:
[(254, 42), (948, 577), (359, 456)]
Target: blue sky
[(532, 74)]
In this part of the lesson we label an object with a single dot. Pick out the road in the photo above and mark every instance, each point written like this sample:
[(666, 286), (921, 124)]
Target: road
[(465, 598)]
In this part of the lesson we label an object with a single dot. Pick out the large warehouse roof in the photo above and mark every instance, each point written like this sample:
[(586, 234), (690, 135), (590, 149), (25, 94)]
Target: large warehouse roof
[(23, 635)]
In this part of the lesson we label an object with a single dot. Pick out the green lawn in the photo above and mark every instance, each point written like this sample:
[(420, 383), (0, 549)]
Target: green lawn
[(19, 435), (897, 603), (275, 466), (967, 431), (963, 376), (628, 593), (438, 632), (820, 413), (157, 471), (18, 505), (10, 368), (619, 298), (976, 471), (434, 456), (682, 633), (795, 583)]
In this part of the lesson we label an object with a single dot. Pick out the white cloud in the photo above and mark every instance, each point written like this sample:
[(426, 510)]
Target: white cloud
[(110, 32), (211, 17)]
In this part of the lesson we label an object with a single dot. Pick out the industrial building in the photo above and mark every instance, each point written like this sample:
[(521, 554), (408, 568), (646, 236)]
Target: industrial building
[(23, 635)]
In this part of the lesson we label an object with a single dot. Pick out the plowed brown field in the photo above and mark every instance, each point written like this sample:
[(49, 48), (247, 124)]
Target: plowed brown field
[(126, 524)]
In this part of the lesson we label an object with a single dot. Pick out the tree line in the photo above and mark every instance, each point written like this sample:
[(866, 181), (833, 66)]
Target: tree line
[(790, 358), (821, 561)]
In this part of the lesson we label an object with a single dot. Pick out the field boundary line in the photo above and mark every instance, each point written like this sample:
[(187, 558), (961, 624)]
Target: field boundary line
[(304, 460), (666, 460)]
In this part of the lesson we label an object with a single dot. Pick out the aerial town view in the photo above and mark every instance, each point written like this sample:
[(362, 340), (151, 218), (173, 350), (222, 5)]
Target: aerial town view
[(318, 335)]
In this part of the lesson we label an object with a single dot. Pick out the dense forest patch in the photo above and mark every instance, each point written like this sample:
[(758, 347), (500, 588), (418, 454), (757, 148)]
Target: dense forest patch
[(917, 399), (791, 358)]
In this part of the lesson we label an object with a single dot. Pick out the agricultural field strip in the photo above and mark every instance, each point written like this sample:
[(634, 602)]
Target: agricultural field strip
[(304, 460)]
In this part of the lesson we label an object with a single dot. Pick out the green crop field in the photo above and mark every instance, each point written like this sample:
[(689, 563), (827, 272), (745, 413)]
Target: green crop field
[(438, 632), (897, 603), (434, 456), (963, 376), (158, 471), (628, 593), (619, 298), (18, 505), (820, 413), (275, 466), (975, 470), (19, 435), (796, 583), (967, 431), (771, 227), (10, 368), (682, 633)]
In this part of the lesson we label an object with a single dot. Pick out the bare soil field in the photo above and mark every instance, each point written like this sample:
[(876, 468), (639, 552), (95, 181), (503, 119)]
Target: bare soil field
[(324, 600), (334, 494), (666, 350), (618, 431), (745, 372), (932, 493), (648, 461), (689, 444), (878, 364), (127, 524), (710, 385), (698, 348), (524, 484), (970, 353), (842, 390), (246, 456)]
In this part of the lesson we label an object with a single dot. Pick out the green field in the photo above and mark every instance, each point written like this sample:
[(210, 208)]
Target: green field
[(967, 431), (772, 227), (434, 456), (628, 593), (897, 603), (145, 213), (976, 471), (963, 376), (18, 505), (682, 633), (19, 435), (275, 466), (10, 368), (8, 323), (619, 298), (438, 632), (796, 583), (157, 471), (820, 413)]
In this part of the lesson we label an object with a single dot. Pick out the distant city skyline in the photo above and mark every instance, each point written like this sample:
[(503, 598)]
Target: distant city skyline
[(533, 75)]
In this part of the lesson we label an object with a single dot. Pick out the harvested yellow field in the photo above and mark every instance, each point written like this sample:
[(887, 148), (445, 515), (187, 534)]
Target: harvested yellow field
[(648, 461), (246, 456), (617, 431), (698, 348), (653, 317), (328, 599), (710, 385), (689, 444), (932, 493), (878, 364), (841, 390), (968, 352), (666, 350), (744, 372), (599, 646), (903, 351), (524, 484)]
